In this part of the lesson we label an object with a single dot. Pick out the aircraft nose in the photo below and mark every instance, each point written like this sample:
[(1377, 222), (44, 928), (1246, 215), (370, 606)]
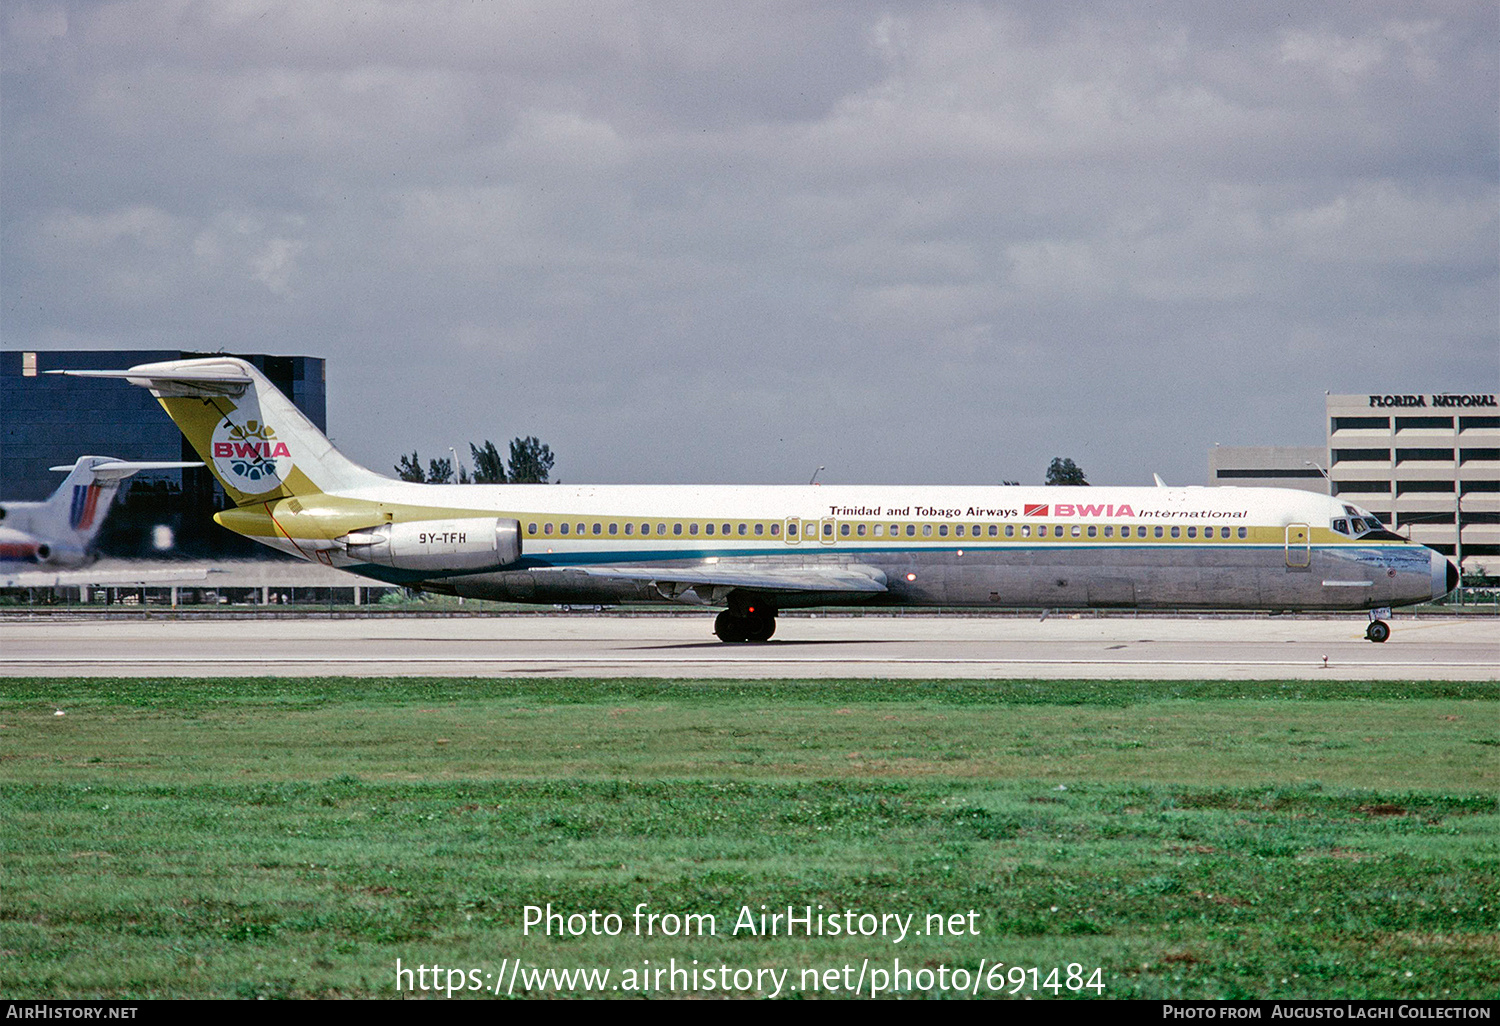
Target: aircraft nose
[(1444, 576)]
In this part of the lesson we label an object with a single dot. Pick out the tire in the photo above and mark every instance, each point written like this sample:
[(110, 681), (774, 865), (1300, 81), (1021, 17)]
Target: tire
[(731, 628), (761, 628), (1378, 631)]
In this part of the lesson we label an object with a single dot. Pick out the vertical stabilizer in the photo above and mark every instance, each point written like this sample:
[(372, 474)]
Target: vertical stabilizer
[(256, 442)]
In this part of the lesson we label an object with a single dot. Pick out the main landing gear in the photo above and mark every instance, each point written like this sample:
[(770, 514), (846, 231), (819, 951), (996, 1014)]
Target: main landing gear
[(750, 623)]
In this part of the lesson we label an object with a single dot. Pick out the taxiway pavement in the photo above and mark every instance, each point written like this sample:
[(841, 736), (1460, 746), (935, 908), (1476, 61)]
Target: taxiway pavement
[(909, 646)]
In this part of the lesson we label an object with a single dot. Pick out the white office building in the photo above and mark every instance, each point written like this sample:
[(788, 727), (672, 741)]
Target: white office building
[(1427, 464)]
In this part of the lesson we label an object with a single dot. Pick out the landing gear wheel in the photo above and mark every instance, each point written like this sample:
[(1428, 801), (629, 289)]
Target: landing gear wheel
[(760, 627), (731, 628), (1378, 631)]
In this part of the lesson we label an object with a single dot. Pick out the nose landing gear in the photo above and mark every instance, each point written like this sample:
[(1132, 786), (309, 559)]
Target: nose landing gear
[(1378, 630)]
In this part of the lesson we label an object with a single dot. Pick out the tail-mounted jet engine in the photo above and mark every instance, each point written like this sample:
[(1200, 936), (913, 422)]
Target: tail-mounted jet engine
[(476, 543)]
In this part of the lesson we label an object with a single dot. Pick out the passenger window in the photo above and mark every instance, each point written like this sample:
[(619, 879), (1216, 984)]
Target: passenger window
[(1041, 531), (760, 528), (692, 528), (1157, 532), (564, 529), (582, 528), (844, 530), (1176, 532), (1077, 531), (598, 528), (1244, 532), (880, 530), (911, 530), (860, 530), (614, 528), (942, 530), (742, 530), (531, 528), (1094, 531), (1192, 532), (926, 530), (726, 528), (676, 528), (546, 528), (827, 530), (629, 529), (645, 529), (1010, 530), (1025, 530), (661, 528), (709, 529), (775, 530)]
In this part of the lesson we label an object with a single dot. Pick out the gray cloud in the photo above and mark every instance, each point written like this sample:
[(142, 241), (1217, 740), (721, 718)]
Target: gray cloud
[(924, 242)]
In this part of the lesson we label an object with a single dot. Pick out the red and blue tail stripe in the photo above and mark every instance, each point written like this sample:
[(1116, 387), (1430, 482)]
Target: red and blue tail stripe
[(85, 506)]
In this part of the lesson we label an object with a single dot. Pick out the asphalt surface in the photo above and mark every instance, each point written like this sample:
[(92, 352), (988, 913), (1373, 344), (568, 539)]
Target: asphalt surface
[(912, 646)]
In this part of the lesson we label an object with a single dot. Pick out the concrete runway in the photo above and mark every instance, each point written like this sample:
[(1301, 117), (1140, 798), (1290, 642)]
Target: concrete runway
[(909, 646)]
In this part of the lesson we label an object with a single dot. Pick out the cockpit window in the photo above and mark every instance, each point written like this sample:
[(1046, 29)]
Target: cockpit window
[(1374, 524), (1341, 526)]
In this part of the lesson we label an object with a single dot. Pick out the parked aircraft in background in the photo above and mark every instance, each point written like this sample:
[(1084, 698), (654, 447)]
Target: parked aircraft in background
[(40, 539), (758, 550)]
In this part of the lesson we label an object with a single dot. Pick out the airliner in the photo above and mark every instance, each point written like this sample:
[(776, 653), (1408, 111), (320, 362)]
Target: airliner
[(39, 539), (758, 550)]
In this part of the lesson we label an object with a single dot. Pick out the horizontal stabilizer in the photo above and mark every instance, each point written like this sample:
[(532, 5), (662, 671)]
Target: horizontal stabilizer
[(111, 470), (205, 378)]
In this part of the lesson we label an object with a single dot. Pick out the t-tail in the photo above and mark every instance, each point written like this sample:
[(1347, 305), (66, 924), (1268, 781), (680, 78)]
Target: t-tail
[(255, 441), (61, 528)]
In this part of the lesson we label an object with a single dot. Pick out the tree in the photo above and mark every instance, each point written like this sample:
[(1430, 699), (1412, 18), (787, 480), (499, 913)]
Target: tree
[(410, 468), (440, 471), (1064, 472), (489, 467), (530, 461)]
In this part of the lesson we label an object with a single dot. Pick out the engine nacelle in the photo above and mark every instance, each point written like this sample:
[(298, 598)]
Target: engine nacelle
[(473, 543), (54, 554)]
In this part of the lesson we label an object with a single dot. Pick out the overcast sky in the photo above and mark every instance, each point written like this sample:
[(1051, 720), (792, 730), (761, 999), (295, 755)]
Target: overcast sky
[(708, 242)]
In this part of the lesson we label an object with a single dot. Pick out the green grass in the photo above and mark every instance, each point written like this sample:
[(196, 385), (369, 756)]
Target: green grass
[(223, 838)]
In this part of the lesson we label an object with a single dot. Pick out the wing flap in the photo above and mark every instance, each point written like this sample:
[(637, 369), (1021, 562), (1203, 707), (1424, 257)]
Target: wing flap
[(846, 580)]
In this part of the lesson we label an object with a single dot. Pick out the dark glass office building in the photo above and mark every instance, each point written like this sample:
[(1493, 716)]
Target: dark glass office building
[(51, 420)]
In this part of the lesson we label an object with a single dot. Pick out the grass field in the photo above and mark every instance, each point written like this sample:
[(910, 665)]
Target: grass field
[(270, 838)]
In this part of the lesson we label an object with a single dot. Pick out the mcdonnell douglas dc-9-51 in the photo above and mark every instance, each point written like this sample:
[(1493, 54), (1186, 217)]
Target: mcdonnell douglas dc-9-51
[(758, 550)]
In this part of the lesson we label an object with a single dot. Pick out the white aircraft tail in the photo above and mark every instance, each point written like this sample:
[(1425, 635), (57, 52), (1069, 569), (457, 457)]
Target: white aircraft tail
[(71, 517)]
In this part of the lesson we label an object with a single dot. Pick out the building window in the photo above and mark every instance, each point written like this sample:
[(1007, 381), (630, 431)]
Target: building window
[(1478, 423), (1361, 423), (1424, 423), (1424, 455)]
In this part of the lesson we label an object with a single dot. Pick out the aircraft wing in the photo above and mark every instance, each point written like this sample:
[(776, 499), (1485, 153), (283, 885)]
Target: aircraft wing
[(709, 579), (97, 579)]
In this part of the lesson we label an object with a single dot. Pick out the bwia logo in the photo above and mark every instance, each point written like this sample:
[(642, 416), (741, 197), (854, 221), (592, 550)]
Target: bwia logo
[(249, 456), (1036, 509)]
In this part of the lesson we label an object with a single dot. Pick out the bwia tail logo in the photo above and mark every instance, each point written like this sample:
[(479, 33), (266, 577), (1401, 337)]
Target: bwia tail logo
[(1036, 509), (249, 456)]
